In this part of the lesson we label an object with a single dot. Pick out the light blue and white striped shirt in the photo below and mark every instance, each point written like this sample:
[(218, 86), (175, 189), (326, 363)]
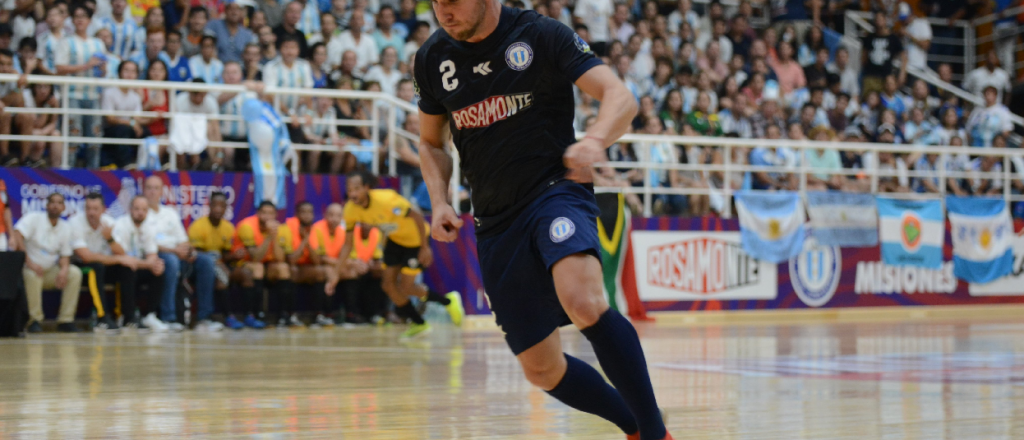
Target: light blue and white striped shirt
[(47, 49), (299, 75), (140, 59), (233, 107), (124, 36), (140, 38), (212, 72), (75, 51), (310, 22)]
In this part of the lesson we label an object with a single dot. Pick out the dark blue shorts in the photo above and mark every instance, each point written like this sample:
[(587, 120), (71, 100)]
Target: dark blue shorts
[(516, 264)]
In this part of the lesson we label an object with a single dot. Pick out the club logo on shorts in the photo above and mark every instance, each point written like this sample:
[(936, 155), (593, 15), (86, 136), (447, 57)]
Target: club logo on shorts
[(561, 229), (413, 263), (580, 44), (519, 56)]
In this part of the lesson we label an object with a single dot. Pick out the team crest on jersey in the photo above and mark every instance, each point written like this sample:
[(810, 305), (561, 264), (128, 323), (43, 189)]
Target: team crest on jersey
[(561, 229), (491, 110), (580, 44), (519, 56)]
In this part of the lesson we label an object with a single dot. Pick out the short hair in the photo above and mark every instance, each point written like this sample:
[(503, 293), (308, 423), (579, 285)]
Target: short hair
[(199, 9), (288, 39), (218, 194), (120, 67), (386, 8), (365, 175), (581, 27), (5, 52), (843, 95), (174, 32), (266, 203), (50, 197), (302, 203), (77, 6), (5, 29), (208, 37), (94, 196), (319, 44), (28, 43)]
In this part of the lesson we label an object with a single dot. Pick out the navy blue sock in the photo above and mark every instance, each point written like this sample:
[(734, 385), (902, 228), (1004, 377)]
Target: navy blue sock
[(618, 349), (583, 388)]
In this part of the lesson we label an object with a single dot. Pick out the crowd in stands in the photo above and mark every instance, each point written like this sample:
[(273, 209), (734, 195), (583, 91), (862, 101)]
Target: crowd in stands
[(246, 272), (695, 69)]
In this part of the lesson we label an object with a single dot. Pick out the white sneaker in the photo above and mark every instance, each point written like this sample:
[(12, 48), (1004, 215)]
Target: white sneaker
[(294, 321), (209, 326), (175, 327), (324, 321), (155, 324)]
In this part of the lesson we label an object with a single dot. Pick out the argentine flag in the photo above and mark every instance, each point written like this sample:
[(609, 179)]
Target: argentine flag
[(771, 225), (911, 231), (982, 238), (843, 219)]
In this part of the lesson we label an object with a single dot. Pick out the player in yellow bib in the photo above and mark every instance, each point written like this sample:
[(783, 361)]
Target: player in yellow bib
[(406, 251)]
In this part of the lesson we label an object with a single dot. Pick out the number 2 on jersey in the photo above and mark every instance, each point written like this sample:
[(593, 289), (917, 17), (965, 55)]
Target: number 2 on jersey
[(448, 70)]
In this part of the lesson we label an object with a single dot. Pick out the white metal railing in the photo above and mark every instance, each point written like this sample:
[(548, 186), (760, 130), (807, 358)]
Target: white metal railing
[(642, 144)]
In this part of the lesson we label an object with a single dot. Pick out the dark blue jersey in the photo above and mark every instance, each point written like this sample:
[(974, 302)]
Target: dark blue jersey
[(510, 104)]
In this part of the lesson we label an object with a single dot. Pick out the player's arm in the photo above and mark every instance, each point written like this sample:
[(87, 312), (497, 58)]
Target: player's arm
[(436, 167), (426, 256), (256, 253), (618, 108)]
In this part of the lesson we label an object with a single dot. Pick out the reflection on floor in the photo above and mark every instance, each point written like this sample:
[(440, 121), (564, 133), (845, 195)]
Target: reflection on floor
[(859, 381)]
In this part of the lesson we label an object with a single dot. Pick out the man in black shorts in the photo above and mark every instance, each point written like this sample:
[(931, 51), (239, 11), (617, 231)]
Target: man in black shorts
[(501, 80)]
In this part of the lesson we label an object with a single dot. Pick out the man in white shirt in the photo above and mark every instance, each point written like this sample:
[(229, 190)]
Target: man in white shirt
[(97, 250), (354, 39), (621, 27), (202, 103), (988, 75), (595, 14), (917, 37), (175, 249), (46, 239), (134, 244)]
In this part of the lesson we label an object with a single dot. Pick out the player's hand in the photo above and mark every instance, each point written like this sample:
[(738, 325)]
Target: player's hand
[(580, 157), (445, 224), (331, 283), (426, 255), (129, 262)]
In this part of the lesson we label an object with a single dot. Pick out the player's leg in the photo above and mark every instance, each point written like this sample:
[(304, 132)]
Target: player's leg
[(574, 382), (314, 275), (250, 277), (283, 290), (451, 301), (578, 282), (403, 307)]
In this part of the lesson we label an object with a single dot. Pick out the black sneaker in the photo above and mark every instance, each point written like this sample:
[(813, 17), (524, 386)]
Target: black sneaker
[(34, 327), (67, 327), (106, 325)]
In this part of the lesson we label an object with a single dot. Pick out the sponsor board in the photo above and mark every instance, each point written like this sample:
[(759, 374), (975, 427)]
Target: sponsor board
[(689, 266), (1010, 285), (876, 277)]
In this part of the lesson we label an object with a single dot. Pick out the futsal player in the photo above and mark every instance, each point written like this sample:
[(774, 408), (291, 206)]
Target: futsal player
[(501, 79), (264, 244), (406, 250), (304, 269), (326, 239)]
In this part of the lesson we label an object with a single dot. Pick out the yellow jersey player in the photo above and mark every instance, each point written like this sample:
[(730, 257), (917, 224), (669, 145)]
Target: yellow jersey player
[(406, 251)]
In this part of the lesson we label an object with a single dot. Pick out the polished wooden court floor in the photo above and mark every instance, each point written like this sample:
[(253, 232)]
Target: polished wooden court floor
[(951, 379)]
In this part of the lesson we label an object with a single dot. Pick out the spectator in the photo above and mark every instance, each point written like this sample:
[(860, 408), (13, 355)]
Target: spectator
[(178, 69), (328, 30), (816, 74), (270, 13), (22, 22), (309, 23), (986, 123), (918, 130), (849, 79), (417, 36), (701, 119), (347, 70), (357, 41), (41, 96), (919, 98), (82, 56), (122, 28), (252, 67), (837, 116), (386, 73), (989, 75), (293, 13), (151, 52), (291, 72), (406, 20), (621, 29), (740, 36), (385, 36), (317, 61), (348, 109), (231, 105), (359, 7), (408, 163), (736, 119), (949, 127), (770, 114), (986, 173), (203, 104), (156, 100), (823, 163), (918, 35), (176, 13), (711, 63), (258, 20), (264, 244), (122, 99), (54, 36), (891, 98), (212, 235), (231, 33), (321, 127), (197, 20), (814, 40), (154, 22), (176, 252), (595, 14), (46, 239), (683, 14), (717, 34), (789, 73), (891, 168), (206, 66), (268, 45), (879, 54)]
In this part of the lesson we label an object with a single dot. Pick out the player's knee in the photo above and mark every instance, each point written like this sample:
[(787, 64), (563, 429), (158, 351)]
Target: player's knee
[(584, 306), (255, 271), (544, 374)]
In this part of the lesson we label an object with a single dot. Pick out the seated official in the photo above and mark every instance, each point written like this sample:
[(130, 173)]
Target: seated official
[(135, 243), (266, 260)]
